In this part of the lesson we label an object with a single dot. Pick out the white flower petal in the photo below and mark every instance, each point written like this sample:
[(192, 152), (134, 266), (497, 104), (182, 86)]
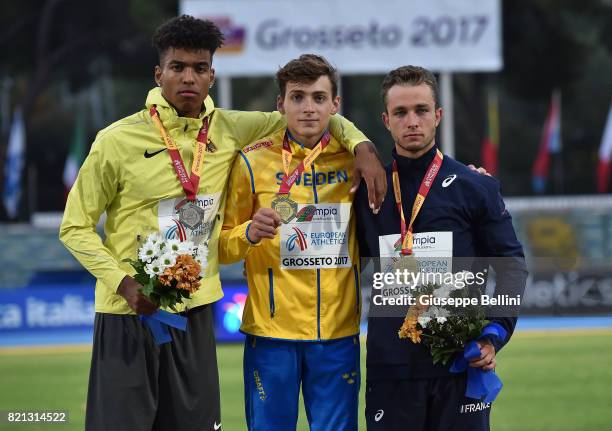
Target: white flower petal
[(424, 321), (167, 260)]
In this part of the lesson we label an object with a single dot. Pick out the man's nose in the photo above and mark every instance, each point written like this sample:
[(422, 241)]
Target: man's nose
[(412, 120), (188, 76), (308, 105)]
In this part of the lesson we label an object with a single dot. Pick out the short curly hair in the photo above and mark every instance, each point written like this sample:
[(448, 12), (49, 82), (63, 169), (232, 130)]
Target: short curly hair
[(189, 33)]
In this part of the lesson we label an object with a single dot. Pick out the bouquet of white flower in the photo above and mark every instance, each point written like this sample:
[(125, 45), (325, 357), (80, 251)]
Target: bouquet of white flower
[(444, 329), (169, 270)]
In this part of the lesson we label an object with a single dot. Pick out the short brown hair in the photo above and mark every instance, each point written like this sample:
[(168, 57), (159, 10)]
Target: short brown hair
[(410, 75), (306, 70)]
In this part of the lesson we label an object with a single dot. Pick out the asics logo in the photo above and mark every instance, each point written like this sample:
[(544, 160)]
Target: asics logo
[(149, 155), (448, 180), (379, 414)]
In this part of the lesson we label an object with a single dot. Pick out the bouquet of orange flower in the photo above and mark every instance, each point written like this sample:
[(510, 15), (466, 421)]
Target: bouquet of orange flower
[(169, 270), (445, 330)]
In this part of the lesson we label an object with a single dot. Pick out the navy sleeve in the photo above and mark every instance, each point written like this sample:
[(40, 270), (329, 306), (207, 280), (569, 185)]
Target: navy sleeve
[(362, 216), (501, 249)]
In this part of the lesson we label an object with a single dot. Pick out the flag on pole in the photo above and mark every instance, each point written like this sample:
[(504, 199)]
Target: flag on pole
[(550, 144), (76, 154), (605, 156), (13, 165), (490, 143)]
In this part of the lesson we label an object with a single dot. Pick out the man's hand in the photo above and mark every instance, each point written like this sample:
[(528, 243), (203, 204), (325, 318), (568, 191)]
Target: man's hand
[(487, 356), (368, 167), (264, 224), (130, 290), (480, 170)]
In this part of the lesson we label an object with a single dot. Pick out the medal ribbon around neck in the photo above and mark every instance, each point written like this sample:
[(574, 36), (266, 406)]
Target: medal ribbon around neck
[(290, 178), (190, 183), (432, 171)]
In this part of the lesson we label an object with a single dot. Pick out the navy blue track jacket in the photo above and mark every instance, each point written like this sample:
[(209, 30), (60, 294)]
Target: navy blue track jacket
[(471, 207)]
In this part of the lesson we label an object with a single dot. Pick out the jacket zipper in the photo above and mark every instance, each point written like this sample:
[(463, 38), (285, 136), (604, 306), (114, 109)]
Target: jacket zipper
[(316, 201), (357, 290), (271, 283)]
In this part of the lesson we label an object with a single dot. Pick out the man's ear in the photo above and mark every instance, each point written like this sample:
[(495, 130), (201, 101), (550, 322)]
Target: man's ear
[(385, 120), (157, 74), (280, 104), (212, 76), (336, 103), (439, 113)]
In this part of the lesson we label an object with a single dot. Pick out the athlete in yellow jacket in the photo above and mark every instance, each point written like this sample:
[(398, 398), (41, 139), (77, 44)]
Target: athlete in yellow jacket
[(134, 384), (289, 215), (303, 282)]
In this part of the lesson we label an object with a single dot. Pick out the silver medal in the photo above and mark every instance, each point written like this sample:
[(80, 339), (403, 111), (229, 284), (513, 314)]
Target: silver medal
[(191, 215)]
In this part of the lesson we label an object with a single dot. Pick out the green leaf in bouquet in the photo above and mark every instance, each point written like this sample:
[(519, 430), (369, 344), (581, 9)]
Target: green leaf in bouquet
[(154, 297), (446, 359), (164, 301), (437, 356), (142, 278), (148, 287)]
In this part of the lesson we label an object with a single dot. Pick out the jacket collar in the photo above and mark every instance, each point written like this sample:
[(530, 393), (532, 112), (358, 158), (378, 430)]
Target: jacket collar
[(168, 114), (407, 166), (297, 147)]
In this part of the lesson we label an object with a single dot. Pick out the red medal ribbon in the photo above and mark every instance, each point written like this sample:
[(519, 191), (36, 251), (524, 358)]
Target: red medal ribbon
[(191, 182), (290, 179), (424, 188)]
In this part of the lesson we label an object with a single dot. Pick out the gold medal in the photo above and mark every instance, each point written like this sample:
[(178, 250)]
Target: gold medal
[(285, 207)]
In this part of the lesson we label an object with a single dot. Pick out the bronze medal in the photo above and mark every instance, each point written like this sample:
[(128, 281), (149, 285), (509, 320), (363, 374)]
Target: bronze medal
[(406, 263), (285, 207)]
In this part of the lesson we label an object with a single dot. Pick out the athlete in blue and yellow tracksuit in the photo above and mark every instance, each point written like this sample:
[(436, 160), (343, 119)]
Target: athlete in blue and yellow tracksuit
[(303, 309)]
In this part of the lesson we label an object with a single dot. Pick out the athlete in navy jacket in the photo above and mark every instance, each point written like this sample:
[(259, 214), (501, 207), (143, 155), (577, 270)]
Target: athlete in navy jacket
[(404, 390)]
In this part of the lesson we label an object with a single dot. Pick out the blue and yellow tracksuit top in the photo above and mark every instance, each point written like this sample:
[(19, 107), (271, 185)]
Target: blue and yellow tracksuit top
[(304, 283)]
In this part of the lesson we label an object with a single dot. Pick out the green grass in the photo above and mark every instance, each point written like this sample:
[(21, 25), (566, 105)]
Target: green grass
[(559, 381)]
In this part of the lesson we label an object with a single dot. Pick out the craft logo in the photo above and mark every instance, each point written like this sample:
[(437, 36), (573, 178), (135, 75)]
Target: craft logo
[(234, 35), (306, 213), (232, 312), (298, 238), (257, 146)]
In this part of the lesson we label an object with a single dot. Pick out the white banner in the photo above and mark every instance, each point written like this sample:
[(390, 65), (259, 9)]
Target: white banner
[(357, 36)]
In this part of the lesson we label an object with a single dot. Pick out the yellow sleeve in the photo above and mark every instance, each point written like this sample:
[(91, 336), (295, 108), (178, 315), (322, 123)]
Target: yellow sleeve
[(233, 243), (251, 126), (346, 133), (93, 191)]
